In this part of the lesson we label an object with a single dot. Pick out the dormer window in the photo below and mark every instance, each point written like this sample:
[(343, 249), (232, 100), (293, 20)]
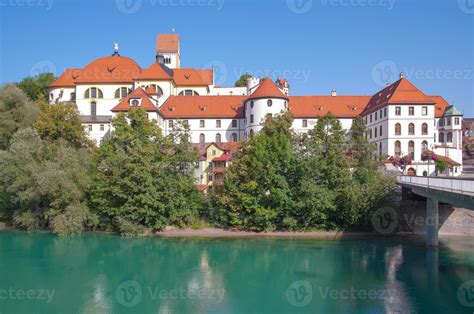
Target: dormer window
[(134, 102)]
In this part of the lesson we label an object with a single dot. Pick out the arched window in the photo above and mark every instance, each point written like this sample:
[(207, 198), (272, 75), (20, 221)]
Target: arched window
[(411, 149), (233, 137), (380, 149), (424, 145), (122, 92), (188, 92), (411, 129), (251, 133), (202, 138), (93, 108), (158, 89), (398, 129), (93, 92), (251, 104), (269, 103), (424, 129), (449, 137), (218, 138), (441, 137), (73, 96), (398, 148)]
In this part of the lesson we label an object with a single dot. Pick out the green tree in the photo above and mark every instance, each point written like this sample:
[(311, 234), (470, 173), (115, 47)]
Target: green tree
[(46, 183), (362, 152), (142, 179), (36, 87), (258, 192), (242, 81), (16, 111), (62, 122)]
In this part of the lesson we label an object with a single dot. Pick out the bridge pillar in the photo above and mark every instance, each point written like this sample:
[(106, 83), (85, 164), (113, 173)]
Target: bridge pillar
[(432, 221)]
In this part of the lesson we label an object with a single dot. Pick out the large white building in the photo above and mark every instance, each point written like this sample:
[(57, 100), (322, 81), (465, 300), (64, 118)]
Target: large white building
[(401, 119)]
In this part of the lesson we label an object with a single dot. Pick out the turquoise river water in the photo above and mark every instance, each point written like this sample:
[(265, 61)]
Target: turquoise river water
[(92, 273)]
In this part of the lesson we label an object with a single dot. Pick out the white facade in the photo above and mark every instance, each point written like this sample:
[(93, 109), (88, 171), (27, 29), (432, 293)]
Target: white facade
[(395, 128)]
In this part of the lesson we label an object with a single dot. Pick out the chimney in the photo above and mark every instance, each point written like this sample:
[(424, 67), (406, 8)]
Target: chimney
[(334, 93), (402, 75)]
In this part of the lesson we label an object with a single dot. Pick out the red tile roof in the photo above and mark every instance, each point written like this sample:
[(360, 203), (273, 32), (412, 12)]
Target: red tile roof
[(154, 72), (440, 105), (167, 43), (113, 69), (192, 77), (339, 106), (67, 79), (139, 93), (400, 92), (267, 89), (151, 91), (203, 107)]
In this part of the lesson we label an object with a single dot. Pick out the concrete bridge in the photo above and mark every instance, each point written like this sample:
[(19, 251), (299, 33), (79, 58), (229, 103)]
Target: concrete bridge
[(455, 191)]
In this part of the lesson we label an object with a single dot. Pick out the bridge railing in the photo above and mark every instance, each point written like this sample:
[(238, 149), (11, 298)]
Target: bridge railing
[(456, 185)]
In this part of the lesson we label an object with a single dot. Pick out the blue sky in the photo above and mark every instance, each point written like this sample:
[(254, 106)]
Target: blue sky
[(354, 46)]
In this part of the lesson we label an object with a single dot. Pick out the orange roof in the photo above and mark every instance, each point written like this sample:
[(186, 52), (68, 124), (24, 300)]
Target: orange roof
[(400, 92), (113, 69), (192, 77), (203, 107), (151, 91), (339, 106), (67, 79), (138, 93), (167, 43), (155, 72), (440, 105), (267, 89)]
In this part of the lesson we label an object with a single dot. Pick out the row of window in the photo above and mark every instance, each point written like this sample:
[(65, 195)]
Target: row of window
[(411, 129), (447, 121), (122, 92), (449, 137), (202, 123), (398, 112), (101, 127), (411, 148), (377, 131), (218, 138), (376, 115)]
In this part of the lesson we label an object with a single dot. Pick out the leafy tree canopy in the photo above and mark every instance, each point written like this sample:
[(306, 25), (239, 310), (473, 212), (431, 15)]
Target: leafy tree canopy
[(242, 81), (36, 87)]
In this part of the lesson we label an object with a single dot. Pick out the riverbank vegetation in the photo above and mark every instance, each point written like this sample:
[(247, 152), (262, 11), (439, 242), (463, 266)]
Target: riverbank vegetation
[(53, 177)]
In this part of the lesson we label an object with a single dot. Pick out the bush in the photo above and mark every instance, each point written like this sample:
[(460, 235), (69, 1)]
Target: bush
[(27, 220), (71, 221), (129, 229)]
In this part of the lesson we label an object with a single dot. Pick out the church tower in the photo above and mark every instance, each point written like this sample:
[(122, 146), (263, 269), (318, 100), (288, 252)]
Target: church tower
[(167, 50)]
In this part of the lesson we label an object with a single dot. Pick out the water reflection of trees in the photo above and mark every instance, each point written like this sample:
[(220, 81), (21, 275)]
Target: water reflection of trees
[(255, 273)]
